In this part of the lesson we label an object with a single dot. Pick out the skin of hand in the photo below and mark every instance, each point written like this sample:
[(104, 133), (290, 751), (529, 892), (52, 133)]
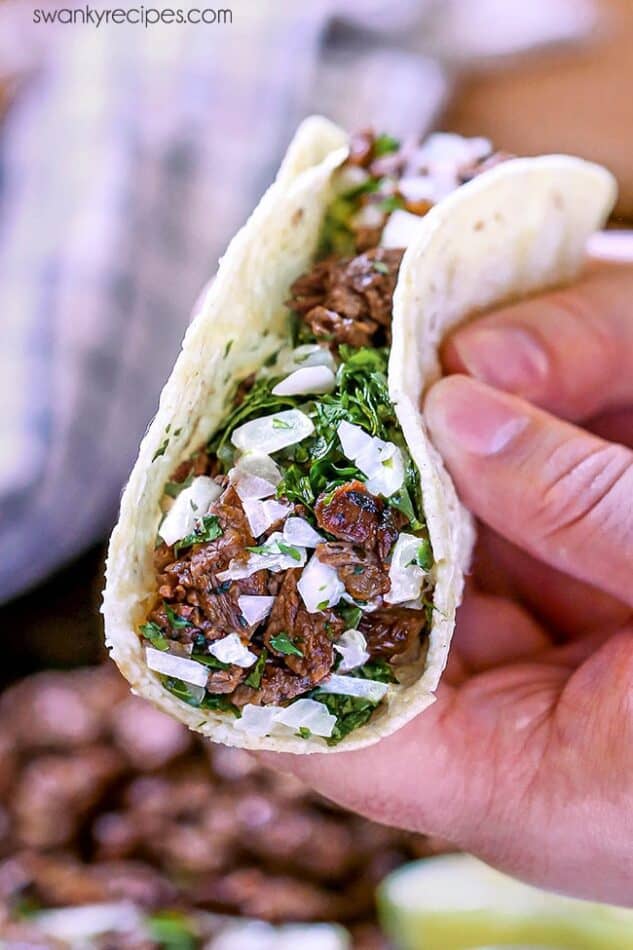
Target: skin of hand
[(526, 757)]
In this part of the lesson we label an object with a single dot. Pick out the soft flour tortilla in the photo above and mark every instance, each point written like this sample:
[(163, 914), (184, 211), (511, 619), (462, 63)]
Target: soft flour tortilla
[(515, 229)]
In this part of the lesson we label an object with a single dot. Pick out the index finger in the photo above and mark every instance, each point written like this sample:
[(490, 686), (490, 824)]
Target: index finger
[(569, 351)]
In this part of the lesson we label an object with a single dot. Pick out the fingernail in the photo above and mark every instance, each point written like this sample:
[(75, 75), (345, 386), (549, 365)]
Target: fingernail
[(507, 357), (465, 415)]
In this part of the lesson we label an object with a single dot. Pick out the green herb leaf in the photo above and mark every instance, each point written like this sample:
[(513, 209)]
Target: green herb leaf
[(378, 669), (289, 550), (351, 712), (303, 732), (181, 690), (152, 632), (227, 348), (207, 529), (254, 678), (209, 660), (220, 702), (351, 615), (171, 930), (384, 144), (173, 489), (162, 448), (281, 424), (424, 555), (175, 620), (392, 203), (381, 267), (283, 644)]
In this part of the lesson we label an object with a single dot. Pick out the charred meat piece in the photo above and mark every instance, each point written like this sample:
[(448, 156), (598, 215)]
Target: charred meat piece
[(278, 685), (393, 633), (225, 681), (351, 513), (312, 634), (349, 300), (200, 602), (360, 570)]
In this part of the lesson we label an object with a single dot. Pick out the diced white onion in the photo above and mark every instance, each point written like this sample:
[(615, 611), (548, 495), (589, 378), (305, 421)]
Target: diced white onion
[(271, 558), (350, 177), (257, 720), (307, 714), (192, 503), (261, 514), (78, 925), (380, 461), (352, 646), (255, 476), (307, 380), (401, 229), (319, 585), (230, 649), (299, 531), (179, 666), (442, 157), (369, 216), (274, 432), (308, 354), (353, 686), (405, 574), (254, 608), (417, 188)]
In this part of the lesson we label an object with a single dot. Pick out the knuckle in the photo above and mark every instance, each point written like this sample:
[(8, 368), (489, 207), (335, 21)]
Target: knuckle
[(579, 482)]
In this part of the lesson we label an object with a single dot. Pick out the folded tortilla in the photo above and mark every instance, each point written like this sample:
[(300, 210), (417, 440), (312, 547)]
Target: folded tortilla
[(520, 227)]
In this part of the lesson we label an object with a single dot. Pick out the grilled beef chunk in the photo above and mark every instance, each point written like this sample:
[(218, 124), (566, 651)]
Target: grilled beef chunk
[(225, 681), (393, 633), (278, 685), (310, 633), (190, 585), (360, 571), (351, 513), (348, 300)]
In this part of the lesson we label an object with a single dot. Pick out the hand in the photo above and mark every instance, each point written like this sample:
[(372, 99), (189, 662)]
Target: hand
[(526, 758)]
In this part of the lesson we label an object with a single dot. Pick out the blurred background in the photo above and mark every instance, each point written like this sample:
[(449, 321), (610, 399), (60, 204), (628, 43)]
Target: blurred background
[(129, 155)]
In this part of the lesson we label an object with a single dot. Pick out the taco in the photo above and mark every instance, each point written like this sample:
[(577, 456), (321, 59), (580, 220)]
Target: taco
[(290, 551)]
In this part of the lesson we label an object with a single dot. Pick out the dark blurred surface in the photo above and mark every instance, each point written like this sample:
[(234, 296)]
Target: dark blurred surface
[(103, 798)]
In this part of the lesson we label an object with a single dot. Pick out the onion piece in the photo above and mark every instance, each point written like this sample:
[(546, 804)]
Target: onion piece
[(255, 476), (305, 381), (319, 586), (79, 924), (405, 574), (299, 531), (255, 608), (262, 514), (270, 557), (352, 646), (190, 504), (369, 216), (382, 462), (307, 714), (353, 686), (401, 229), (178, 666), (273, 432), (230, 649), (257, 720)]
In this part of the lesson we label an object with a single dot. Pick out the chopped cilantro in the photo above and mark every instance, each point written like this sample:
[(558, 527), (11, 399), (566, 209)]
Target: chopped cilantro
[(254, 678), (323, 605), (350, 711), (258, 401), (392, 203), (181, 690), (424, 555), (162, 448), (152, 632), (221, 702), (304, 733), (381, 267), (209, 660), (289, 550), (378, 669), (384, 144), (283, 644), (281, 424), (171, 930), (227, 348), (351, 615), (175, 620), (207, 529)]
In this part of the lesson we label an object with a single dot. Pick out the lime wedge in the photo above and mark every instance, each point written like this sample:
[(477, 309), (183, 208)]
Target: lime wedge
[(456, 902)]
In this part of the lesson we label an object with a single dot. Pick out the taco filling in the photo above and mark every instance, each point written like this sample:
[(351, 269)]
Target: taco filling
[(294, 571)]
